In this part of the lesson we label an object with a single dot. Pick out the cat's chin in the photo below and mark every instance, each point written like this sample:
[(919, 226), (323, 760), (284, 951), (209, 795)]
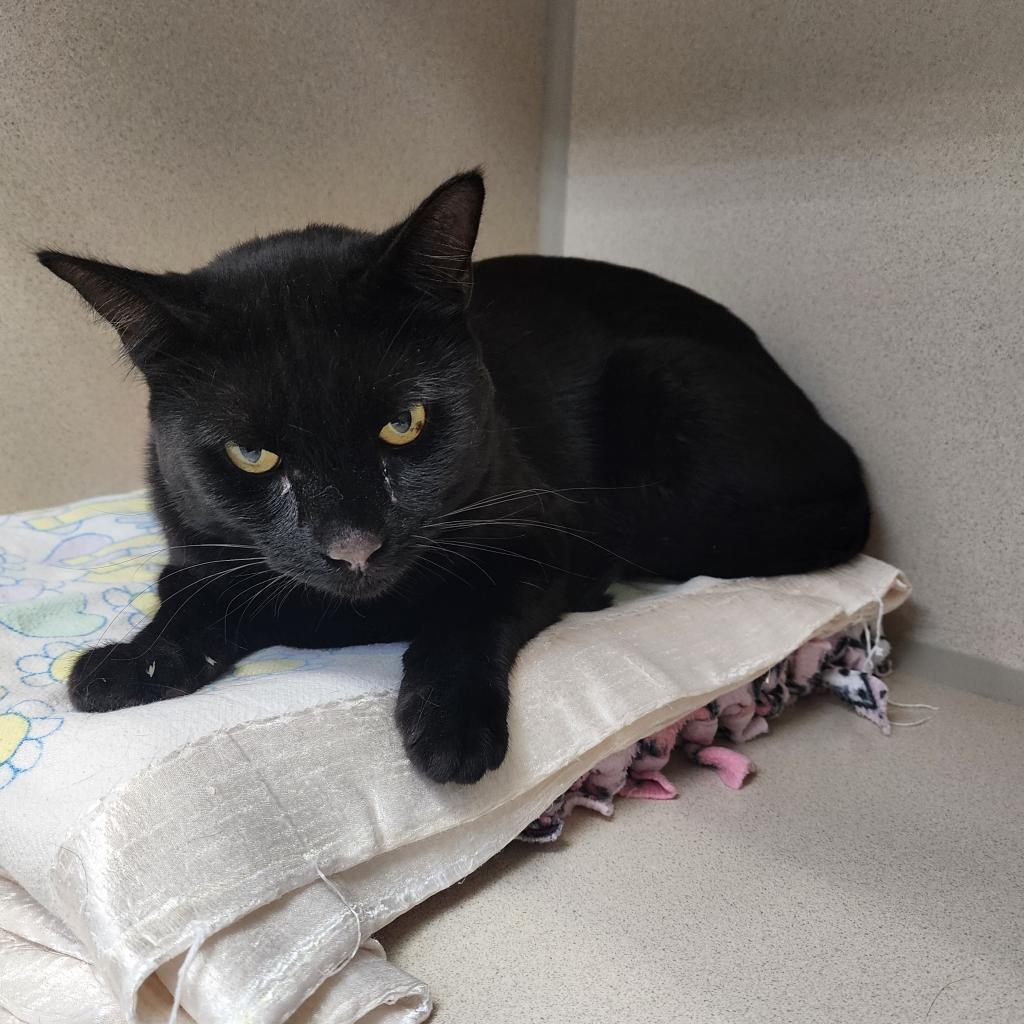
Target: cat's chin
[(367, 590), (355, 588)]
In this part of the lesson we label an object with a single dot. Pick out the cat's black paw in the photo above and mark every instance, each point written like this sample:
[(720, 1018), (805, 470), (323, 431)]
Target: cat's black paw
[(138, 672), (452, 734)]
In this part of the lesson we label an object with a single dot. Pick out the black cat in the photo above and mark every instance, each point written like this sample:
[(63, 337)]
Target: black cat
[(364, 437)]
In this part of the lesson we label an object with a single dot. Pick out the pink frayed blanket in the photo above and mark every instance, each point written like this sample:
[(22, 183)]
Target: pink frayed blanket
[(847, 664)]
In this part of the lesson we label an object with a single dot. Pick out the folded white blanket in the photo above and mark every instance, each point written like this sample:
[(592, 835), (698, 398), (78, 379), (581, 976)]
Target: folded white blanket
[(242, 845)]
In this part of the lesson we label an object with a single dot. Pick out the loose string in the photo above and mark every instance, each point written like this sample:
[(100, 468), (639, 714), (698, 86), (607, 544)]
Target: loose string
[(201, 936), (183, 971), (337, 892), (873, 647), (919, 721)]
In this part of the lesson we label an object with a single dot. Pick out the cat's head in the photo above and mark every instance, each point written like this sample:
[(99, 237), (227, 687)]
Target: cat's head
[(317, 393)]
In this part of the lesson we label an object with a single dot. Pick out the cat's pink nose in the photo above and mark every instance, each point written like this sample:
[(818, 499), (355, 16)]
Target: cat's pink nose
[(354, 548)]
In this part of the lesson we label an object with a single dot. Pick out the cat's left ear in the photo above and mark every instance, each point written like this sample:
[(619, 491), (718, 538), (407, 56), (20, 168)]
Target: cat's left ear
[(433, 248), (148, 311)]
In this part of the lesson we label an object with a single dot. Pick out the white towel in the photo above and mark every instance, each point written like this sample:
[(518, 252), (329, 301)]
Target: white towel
[(244, 843)]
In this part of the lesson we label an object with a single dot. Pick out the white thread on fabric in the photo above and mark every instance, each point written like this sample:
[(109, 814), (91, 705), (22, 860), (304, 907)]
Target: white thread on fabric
[(919, 721), (337, 892), (873, 647), (193, 950)]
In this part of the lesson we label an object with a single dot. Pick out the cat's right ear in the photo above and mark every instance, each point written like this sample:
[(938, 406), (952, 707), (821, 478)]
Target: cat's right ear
[(146, 310), (433, 248)]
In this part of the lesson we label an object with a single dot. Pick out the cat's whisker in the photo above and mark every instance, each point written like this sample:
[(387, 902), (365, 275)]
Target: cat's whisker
[(239, 597), (561, 493), (285, 592), (207, 581), (156, 583), (233, 597), (492, 549), (487, 501), (458, 576), (255, 590), (277, 588), (553, 527), (159, 548), (265, 595), (429, 566), (495, 499)]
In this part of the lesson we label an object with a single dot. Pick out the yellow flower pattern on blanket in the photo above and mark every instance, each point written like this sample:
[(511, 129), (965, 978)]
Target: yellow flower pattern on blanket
[(23, 727), (73, 515), (267, 666)]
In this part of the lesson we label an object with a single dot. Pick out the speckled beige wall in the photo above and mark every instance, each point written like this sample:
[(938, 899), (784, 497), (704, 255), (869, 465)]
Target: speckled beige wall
[(157, 133), (850, 179)]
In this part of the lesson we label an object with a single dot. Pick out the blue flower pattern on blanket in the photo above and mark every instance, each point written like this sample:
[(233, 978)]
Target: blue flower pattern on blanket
[(15, 583), (71, 578), (23, 727), (50, 665)]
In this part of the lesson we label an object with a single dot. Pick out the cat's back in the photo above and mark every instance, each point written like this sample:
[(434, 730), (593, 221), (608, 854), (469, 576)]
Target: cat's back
[(540, 301), (567, 341)]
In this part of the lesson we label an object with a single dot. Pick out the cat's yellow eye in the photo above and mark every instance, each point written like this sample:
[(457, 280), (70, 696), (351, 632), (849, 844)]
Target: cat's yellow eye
[(405, 428), (251, 460)]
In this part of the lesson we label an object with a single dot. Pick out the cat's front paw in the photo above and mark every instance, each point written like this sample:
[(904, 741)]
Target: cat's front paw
[(452, 735), (122, 675)]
